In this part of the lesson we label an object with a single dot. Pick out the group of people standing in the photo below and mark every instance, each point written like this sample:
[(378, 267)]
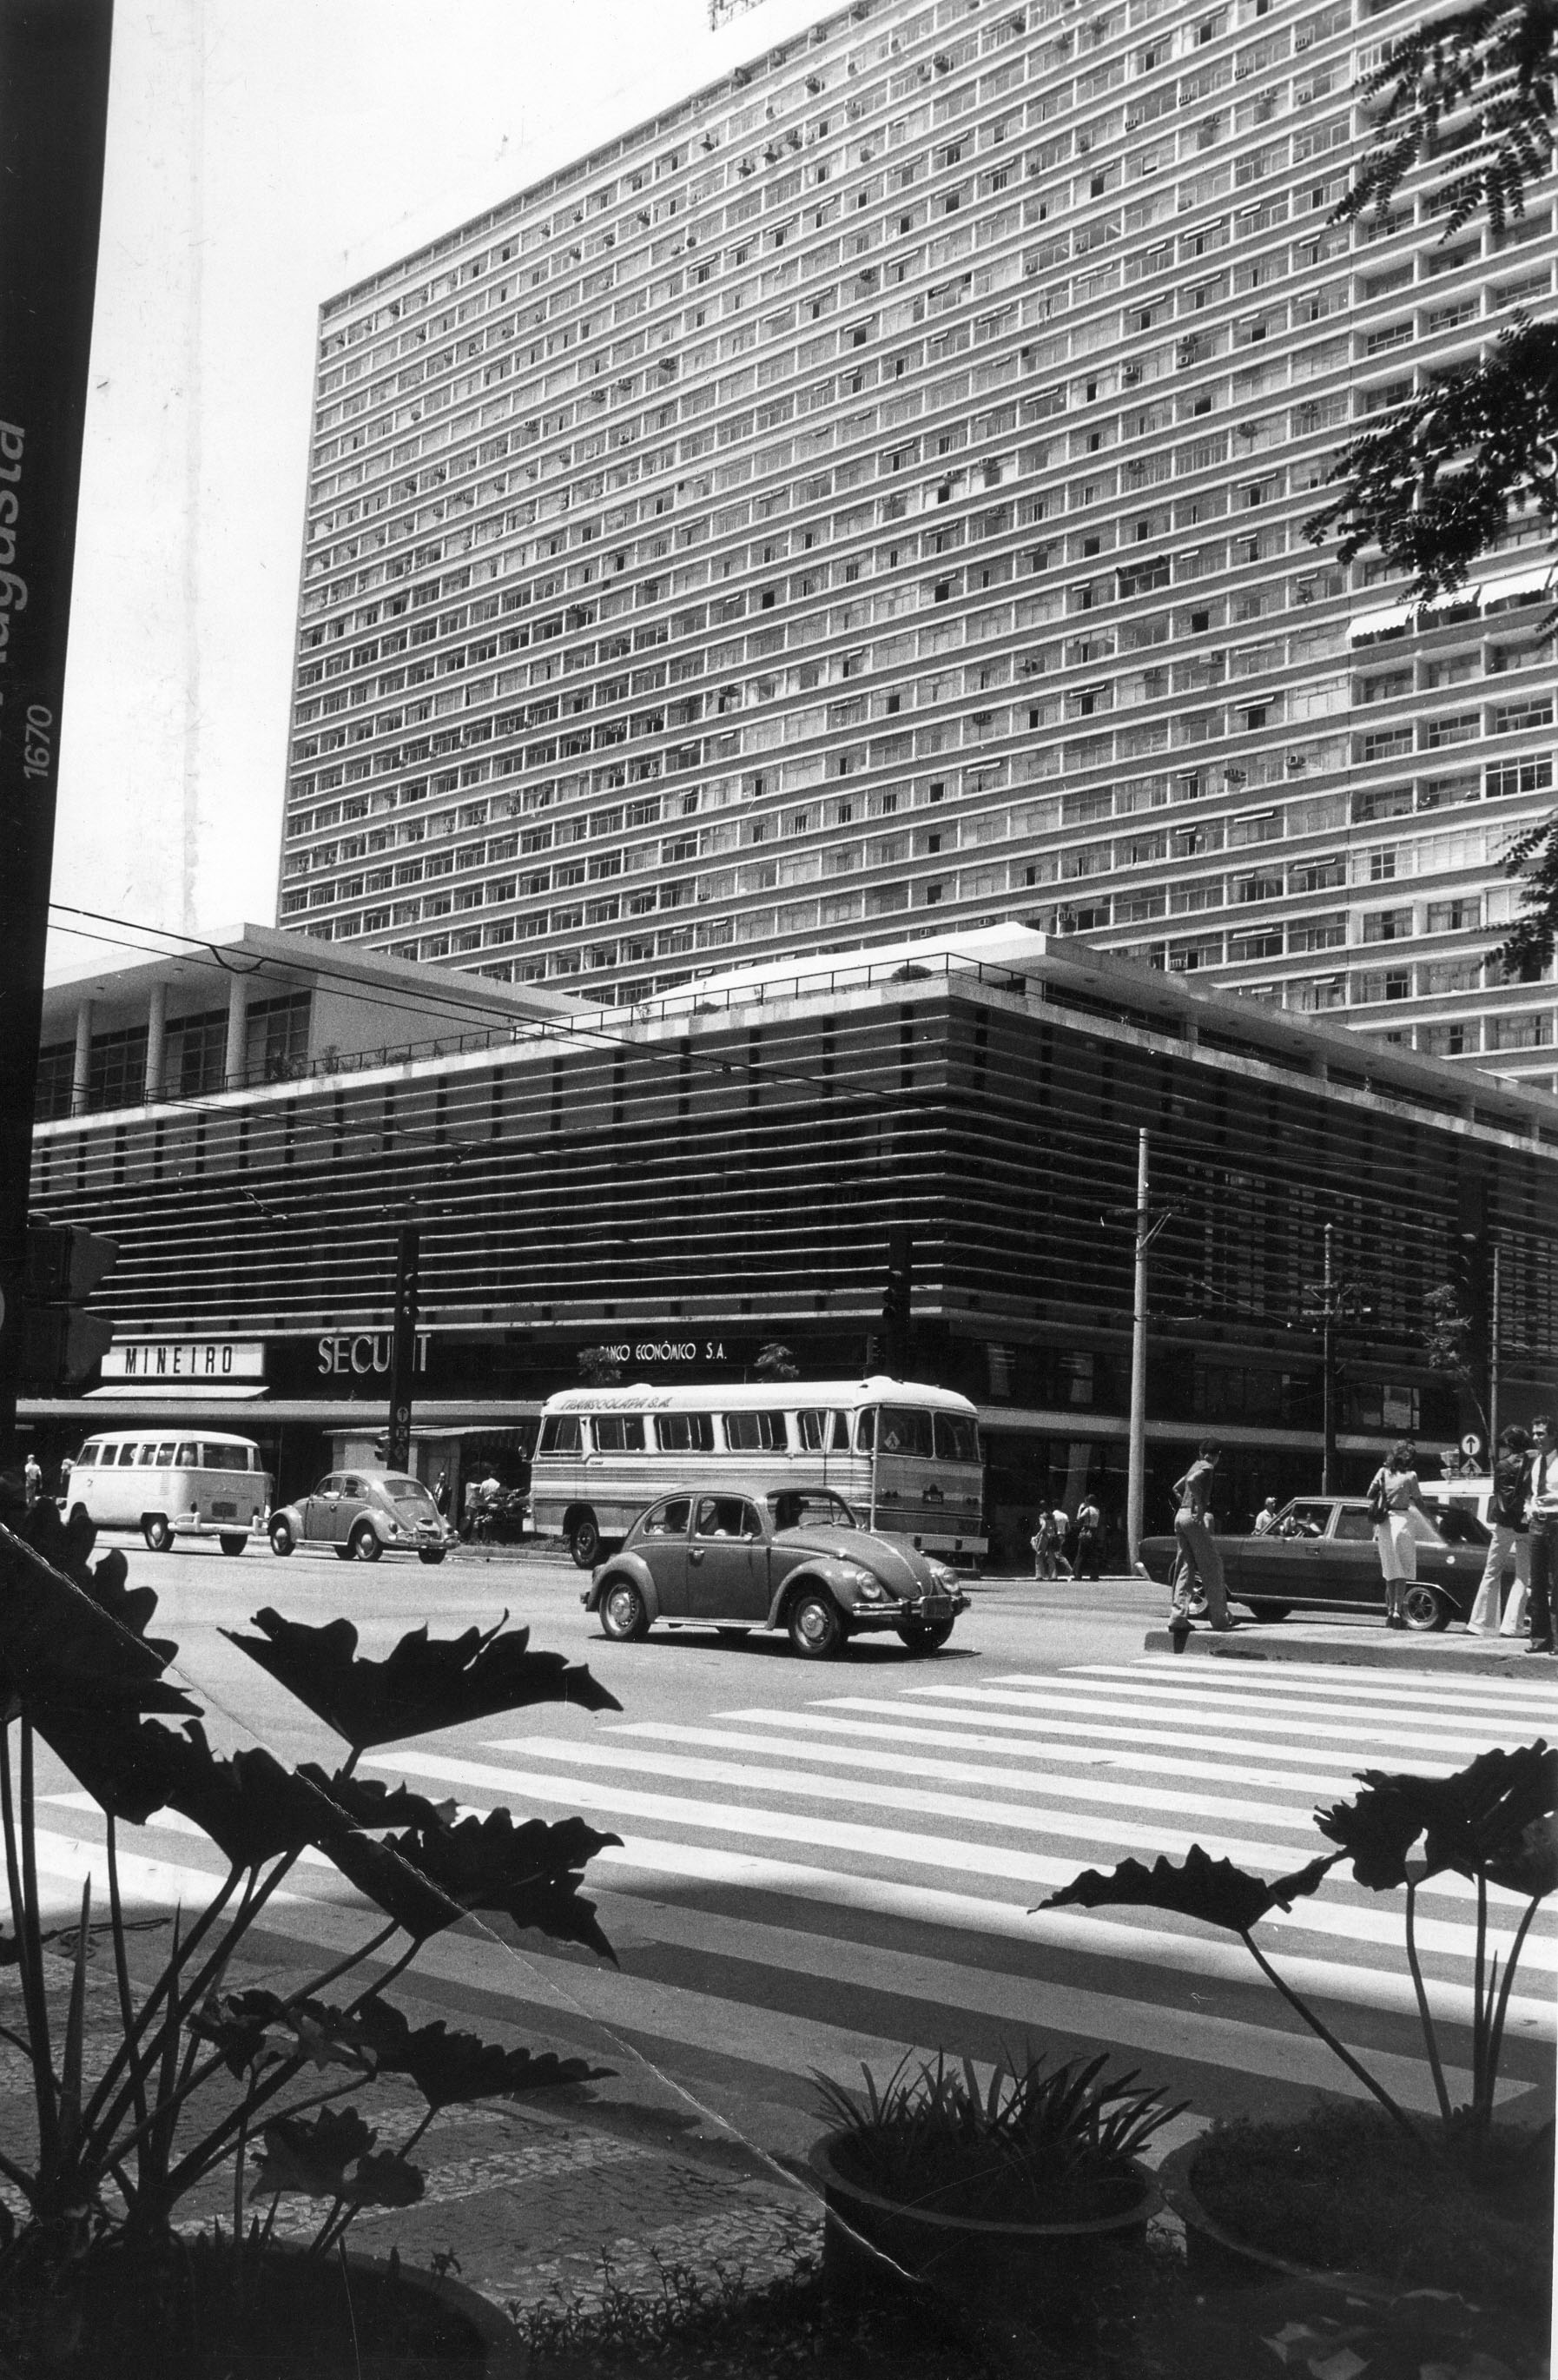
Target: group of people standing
[(1522, 1523), (1053, 1535)]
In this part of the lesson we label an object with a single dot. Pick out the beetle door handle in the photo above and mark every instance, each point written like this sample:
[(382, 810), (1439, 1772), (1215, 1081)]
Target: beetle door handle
[(696, 1554)]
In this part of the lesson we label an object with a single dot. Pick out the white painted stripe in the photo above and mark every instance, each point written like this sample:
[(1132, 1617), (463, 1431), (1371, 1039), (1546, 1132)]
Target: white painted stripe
[(1152, 1703), (827, 1732), (638, 2007), (1039, 1783), (143, 1883), (1228, 1684), (962, 1983), (1456, 1689), (622, 1803)]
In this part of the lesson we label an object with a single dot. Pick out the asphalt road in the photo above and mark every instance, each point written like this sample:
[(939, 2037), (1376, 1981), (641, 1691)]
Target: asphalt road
[(827, 1862)]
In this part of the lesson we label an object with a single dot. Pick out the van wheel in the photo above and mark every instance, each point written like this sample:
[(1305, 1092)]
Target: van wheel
[(429, 1554), (816, 1630), (584, 1541), (281, 1537), (1424, 1612), (365, 1545), (232, 1543), (156, 1532)]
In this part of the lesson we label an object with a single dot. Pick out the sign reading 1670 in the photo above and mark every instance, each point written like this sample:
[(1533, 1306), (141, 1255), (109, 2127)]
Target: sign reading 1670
[(37, 751)]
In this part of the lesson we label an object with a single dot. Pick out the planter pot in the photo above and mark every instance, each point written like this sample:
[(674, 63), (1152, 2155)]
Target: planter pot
[(172, 2310), (1215, 2255), (1029, 2267)]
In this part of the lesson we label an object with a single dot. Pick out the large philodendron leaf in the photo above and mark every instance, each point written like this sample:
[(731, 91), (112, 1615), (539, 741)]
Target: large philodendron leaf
[(73, 1649), (455, 2068), (331, 2154), (530, 1873), (366, 1802), (1468, 1823), (1212, 1891), (423, 1684)]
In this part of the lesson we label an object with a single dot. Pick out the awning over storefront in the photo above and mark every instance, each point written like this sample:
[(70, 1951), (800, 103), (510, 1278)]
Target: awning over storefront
[(184, 1392)]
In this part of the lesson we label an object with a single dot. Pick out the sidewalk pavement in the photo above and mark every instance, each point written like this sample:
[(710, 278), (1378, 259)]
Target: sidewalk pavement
[(1356, 1640)]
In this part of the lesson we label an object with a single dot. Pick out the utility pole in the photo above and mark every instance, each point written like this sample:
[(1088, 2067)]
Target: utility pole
[(53, 110), (403, 1346), (1331, 1302), (1136, 1464), (1493, 1360)]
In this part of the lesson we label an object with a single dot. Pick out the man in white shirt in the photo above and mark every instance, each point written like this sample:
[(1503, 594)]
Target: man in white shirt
[(1265, 1519), (1545, 1531)]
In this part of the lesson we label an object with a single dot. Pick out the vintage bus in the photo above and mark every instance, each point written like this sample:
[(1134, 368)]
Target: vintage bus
[(906, 1456), (168, 1486)]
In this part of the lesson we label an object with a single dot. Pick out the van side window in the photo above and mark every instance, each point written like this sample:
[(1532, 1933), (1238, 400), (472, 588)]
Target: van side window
[(559, 1435), (754, 1433), (188, 1455), (146, 1454), (88, 1454), (223, 1458), (618, 1433), (164, 1454)]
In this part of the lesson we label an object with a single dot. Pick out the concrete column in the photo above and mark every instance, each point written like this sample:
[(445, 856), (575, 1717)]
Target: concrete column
[(83, 1066), (238, 1031), (156, 1042)]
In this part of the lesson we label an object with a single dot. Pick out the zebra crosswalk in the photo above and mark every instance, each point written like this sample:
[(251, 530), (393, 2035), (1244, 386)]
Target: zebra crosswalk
[(805, 1888)]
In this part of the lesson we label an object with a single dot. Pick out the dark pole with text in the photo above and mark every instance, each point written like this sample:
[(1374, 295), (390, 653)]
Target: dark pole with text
[(54, 111), (403, 1347)]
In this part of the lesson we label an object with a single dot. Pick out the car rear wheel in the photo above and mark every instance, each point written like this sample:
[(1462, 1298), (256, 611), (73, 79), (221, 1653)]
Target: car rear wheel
[(155, 1530), (429, 1554), (1423, 1608), (816, 1630), (583, 1540), (927, 1636), (1264, 1610), (282, 1539), (365, 1545), (232, 1543), (623, 1615)]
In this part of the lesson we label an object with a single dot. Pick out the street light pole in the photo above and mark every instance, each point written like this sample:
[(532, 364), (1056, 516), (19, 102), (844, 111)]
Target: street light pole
[(1328, 1366), (1135, 1473), (1494, 1361)]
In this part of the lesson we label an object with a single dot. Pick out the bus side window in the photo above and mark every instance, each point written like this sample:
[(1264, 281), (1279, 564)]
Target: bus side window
[(690, 1433), (865, 1430), (559, 1435), (189, 1456), (618, 1433), (754, 1433), (823, 1433)]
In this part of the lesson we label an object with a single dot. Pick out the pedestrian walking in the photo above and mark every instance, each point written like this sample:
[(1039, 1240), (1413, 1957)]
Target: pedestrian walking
[(33, 1480), (1198, 1549), (1062, 1520), (1089, 1539), (1045, 1543), (67, 1464), (1265, 1519), (1543, 1520), (1394, 1494), (441, 1493), (1507, 1510)]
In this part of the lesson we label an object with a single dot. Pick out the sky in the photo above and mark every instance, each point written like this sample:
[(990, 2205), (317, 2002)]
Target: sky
[(263, 155)]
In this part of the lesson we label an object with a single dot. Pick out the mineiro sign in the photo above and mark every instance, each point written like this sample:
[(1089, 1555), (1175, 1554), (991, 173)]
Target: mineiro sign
[(185, 1359)]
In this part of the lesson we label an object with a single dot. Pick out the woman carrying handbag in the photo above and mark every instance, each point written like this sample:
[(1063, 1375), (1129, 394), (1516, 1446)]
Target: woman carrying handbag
[(1393, 1493)]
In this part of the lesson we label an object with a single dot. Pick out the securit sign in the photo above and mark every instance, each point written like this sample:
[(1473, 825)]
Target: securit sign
[(363, 1351), (185, 1359)]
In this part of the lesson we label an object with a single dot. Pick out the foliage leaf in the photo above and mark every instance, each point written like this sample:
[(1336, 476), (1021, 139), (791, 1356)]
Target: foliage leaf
[(1467, 1823), (331, 2154), (423, 1684), (530, 1873), (1212, 1891), (456, 2068)]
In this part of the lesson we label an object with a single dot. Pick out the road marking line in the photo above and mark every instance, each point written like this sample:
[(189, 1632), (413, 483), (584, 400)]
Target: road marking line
[(1288, 1677), (1148, 1705), (1353, 1921), (1299, 1697)]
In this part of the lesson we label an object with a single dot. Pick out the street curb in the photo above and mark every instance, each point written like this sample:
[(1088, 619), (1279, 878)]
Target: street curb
[(1453, 1660)]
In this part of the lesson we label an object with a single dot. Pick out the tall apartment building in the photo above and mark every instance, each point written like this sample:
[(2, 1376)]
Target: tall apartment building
[(876, 488)]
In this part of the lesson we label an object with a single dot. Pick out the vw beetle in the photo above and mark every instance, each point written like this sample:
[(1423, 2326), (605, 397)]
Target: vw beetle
[(791, 1559)]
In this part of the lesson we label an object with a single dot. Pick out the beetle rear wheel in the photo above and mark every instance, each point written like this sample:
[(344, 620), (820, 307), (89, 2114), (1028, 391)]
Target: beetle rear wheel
[(816, 1630), (365, 1545), (281, 1537), (927, 1636)]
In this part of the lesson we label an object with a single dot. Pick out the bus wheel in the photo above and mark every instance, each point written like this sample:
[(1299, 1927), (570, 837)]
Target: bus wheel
[(816, 1630), (232, 1543), (583, 1540), (927, 1636), (365, 1545), (156, 1532)]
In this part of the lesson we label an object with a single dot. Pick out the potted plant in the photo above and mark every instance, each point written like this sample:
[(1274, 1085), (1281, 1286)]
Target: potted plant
[(201, 2078), (1461, 2204), (1025, 2187)]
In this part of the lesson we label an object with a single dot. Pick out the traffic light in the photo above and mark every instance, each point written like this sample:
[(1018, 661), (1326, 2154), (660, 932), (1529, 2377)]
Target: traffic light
[(896, 1305), (60, 1342)]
